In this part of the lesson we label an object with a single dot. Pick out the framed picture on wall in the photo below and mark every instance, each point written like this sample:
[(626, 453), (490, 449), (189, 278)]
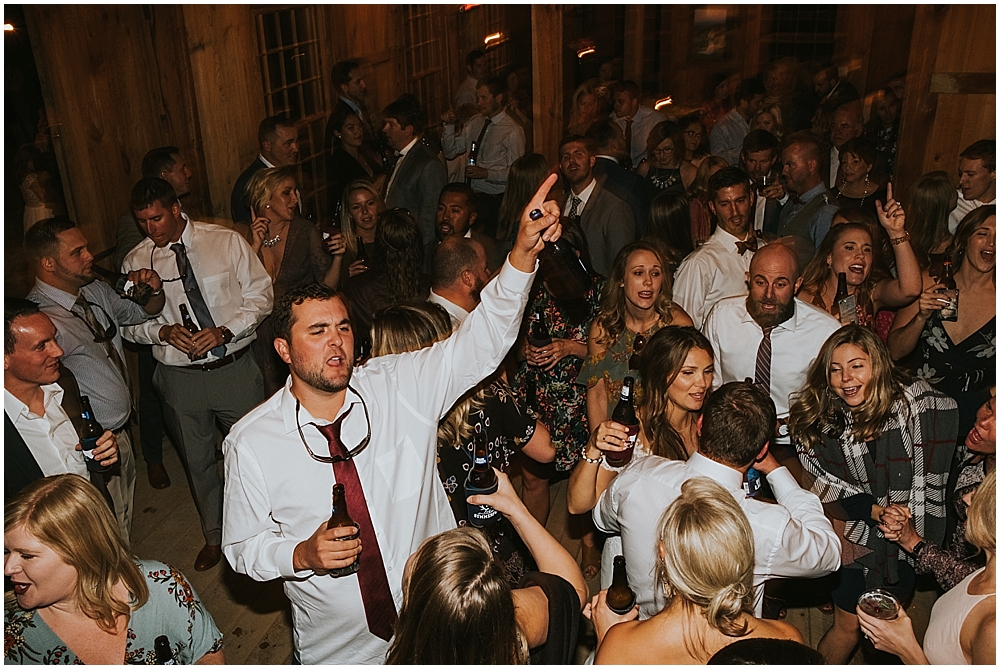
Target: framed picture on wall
[(709, 35)]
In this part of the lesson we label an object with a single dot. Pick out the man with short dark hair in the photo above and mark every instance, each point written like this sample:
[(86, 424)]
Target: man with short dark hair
[(605, 219), (609, 153), (215, 281), (635, 120), (279, 147), (759, 157), (977, 180), (88, 315), (717, 268), (727, 136), (371, 428), (809, 214), (39, 438), (418, 175), (460, 272), (457, 212), (845, 124), (794, 331), (352, 96), (833, 90), (792, 539), (475, 67), (493, 141)]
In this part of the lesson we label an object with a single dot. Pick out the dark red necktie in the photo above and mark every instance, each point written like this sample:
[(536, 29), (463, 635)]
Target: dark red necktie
[(380, 609), (762, 371)]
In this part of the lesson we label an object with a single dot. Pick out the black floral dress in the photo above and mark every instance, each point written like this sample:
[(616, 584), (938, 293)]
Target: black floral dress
[(965, 371), (560, 403), (173, 609), (507, 430)]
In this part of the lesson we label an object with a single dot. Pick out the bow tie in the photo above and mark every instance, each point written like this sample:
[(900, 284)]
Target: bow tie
[(749, 245)]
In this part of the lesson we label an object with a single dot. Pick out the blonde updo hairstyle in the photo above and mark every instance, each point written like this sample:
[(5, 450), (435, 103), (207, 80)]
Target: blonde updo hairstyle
[(981, 526), (261, 187), (706, 555)]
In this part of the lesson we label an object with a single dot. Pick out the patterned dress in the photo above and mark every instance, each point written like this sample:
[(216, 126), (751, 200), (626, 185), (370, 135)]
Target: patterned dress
[(173, 609), (612, 367), (561, 405), (965, 371), (507, 429)]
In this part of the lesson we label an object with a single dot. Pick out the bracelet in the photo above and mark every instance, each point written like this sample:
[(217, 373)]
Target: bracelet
[(896, 241), (593, 461)]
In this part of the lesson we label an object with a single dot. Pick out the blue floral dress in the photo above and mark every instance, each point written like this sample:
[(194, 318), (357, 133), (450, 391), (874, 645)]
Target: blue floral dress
[(965, 371), (173, 609)]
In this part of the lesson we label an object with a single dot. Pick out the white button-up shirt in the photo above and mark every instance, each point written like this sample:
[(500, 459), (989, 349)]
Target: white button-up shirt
[(51, 438), (276, 495), (792, 539), (715, 270), (735, 336), (583, 196), (643, 121), (233, 282), (456, 314), (962, 209), (502, 144)]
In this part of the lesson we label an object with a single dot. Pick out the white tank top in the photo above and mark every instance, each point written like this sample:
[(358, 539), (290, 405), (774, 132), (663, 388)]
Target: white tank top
[(941, 642)]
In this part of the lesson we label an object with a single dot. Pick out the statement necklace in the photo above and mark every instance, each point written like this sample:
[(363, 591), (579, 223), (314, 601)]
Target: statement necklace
[(269, 243)]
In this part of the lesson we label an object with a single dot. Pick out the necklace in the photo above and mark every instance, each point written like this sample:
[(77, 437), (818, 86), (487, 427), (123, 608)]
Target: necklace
[(269, 243)]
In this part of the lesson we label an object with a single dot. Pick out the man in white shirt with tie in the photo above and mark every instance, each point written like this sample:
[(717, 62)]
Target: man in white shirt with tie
[(717, 268), (372, 428), (213, 281), (635, 120)]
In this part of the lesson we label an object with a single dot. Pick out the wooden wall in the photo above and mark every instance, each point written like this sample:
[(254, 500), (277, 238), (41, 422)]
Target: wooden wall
[(950, 88)]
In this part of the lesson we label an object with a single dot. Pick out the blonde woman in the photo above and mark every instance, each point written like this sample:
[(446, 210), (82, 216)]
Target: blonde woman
[(710, 601), (361, 205), (292, 251), (80, 597)]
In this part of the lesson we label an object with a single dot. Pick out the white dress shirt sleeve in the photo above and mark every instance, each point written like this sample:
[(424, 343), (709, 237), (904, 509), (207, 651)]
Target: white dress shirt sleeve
[(606, 512), (255, 286), (511, 148), (452, 143), (712, 335), (691, 287), (808, 546)]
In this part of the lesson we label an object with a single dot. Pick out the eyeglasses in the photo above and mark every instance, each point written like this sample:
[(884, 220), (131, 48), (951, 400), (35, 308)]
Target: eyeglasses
[(336, 458), (660, 151), (693, 133), (162, 280)]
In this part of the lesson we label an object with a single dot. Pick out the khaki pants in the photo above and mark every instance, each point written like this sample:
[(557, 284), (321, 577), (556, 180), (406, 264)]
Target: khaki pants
[(121, 486)]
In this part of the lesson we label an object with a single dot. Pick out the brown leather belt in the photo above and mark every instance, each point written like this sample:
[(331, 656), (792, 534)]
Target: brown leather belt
[(221, 362)]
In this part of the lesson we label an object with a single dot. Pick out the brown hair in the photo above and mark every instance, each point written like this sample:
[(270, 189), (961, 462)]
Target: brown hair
[(611, 313)]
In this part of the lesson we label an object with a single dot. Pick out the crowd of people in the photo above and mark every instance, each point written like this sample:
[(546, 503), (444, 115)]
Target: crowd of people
[(811, 358)]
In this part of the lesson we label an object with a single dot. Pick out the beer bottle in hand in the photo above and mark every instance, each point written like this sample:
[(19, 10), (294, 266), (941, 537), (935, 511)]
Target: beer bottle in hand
[(633, 360), (362, 251), (845, 306), (188, 323), (90, 432), (341, 518), (620, 597), (624, 413), (482, 480), (530, 394), (161, 647), (538, 333), (950, 311)]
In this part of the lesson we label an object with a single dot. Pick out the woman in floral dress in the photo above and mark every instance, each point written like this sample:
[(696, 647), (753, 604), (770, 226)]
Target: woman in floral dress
[(958, 358)]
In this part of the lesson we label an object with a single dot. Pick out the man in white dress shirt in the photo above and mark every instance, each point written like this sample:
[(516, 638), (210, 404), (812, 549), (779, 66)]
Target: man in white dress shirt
[(717, 268), (792, 539), (726, 138), (846, 124), (39, 438), (205, 377), (736, 326), (977, 180), (460, 272), (372, 428), (475, 67), (635, 120)]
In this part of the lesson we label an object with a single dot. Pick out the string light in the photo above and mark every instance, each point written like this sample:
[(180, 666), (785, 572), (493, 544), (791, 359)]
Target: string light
[(663, 102)]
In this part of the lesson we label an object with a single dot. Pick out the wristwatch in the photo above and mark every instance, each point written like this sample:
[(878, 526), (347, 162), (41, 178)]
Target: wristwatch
[(919, 546), (227, 334)]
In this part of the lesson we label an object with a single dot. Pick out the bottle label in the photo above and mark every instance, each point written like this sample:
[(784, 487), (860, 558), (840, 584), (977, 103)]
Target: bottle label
[(622, 458), (752, 485), (950, 310), (626, 393), (481, 515), (88, 448), (848, 309)]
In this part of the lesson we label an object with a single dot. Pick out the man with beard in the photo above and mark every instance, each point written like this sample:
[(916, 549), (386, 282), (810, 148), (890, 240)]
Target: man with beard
[(717, 268), (457, 213), (460, 272), (373, 429), (770, 335), (88, 315), (807, 217), (606, 220)]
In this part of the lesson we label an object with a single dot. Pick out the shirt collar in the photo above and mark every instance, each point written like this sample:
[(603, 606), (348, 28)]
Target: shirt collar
[(726, 240), (261, 158), (726, 476), (585, 193), (353, 105), (456, 311), (607, 157), (15, 408), (499, 116), (813, 192), (406, 149), (792, 324), (57, 295)]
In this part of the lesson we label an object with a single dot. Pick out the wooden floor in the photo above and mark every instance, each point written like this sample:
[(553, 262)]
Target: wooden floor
[(255, 617)]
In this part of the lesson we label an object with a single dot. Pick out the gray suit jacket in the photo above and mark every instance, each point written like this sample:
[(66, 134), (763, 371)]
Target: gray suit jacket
[(608, 226), (416, 185)]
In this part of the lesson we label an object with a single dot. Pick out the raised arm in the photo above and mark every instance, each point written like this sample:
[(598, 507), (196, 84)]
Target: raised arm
[(904, 335), (905, 288)]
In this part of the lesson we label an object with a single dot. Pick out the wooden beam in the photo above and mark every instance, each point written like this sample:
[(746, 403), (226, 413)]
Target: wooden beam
[(225, 71), (547, 77), (964, 83), (634, 33)]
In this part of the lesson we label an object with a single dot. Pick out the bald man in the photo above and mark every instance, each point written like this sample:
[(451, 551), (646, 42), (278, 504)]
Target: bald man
[(737, 325)]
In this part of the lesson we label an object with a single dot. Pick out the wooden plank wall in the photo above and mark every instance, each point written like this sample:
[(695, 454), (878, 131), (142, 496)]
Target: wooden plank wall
[(873, 43), (547, 66), (936, 127)]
